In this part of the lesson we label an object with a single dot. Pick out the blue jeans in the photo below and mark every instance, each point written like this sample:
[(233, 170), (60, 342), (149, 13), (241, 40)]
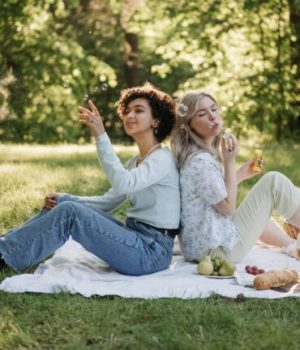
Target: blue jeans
[(131, 249)]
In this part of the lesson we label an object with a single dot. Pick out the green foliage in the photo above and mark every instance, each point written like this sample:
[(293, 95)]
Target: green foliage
[(53, 71), (60, 51)]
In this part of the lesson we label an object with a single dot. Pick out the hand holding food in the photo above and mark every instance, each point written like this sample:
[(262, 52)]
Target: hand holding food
[(230, 146), (258, 161)]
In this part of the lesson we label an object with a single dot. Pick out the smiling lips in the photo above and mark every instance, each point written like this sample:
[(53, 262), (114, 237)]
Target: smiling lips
[(130, 124)]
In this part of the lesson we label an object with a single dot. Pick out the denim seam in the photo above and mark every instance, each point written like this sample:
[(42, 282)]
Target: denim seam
[(116, 240), (29, 242)]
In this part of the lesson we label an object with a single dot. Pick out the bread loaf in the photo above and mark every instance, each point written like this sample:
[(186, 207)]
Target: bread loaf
[(275, 278)]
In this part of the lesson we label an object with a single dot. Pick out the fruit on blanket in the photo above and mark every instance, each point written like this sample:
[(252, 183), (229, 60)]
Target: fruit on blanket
[(227, 268), (217, 262), (275, 278), (205, 266), (254, 270), (217, 266)]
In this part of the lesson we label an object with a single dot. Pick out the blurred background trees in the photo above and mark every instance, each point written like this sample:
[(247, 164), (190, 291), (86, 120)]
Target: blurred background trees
[(56, 54)]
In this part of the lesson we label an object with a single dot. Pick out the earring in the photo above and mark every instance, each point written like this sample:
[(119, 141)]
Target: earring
[(155, 127)]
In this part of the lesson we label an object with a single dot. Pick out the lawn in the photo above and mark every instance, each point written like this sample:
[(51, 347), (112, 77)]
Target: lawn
[(62, 321)]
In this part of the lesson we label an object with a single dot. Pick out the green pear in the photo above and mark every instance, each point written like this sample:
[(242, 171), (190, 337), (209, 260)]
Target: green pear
[(205, 266), (227, 268), (218, 261)]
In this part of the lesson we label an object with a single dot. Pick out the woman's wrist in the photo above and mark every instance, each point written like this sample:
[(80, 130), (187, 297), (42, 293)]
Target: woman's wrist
[(229, 163), (101, 136)]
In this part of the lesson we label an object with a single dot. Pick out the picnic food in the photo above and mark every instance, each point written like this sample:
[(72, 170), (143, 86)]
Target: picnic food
[(227, 268), (293, 232), (215, 266), (258, 161), (227, 136), (254, 270), (275, 278), (205, 266)]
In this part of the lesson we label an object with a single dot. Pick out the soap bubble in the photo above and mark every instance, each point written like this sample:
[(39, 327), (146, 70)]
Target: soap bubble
[(182, 110), (104, 86), (86, 97)]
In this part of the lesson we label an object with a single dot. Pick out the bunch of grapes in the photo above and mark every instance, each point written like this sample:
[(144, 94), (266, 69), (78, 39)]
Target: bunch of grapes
[(254, 270)]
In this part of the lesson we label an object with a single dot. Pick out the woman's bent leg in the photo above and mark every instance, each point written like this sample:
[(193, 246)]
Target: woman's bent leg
[(38, 238), (272, 191), (29, 221), (274, 235), (121, 247)]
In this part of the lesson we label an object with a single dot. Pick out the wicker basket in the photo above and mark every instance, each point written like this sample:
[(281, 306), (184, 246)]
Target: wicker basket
[(291, 230)]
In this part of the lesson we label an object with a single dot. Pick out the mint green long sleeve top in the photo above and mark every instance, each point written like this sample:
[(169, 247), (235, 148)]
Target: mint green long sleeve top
[(152, 188)]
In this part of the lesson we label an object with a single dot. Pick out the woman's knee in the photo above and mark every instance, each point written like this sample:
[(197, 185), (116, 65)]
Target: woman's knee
[(273, 177), (68, 206), (63, 197)]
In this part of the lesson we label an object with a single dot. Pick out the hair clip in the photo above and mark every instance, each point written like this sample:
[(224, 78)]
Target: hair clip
[(182, 110)]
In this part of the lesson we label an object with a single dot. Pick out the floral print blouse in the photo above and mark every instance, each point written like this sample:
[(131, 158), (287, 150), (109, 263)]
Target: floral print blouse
[(202, 227)]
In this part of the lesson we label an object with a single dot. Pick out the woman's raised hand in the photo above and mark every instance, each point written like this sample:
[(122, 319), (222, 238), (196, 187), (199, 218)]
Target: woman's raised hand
[(230, 147), (92, 119), (246, 171), (50, 200)]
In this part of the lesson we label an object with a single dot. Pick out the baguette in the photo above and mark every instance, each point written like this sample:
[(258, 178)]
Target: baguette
[(275, 278)]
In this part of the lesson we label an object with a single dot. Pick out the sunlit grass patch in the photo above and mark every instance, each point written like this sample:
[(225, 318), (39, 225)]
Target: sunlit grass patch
[(12, 336), (28, 173)]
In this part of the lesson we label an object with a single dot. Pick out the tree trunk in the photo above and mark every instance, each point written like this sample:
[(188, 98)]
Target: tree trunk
[(132, 76), (279, 66), (263, 56), (294, 16)]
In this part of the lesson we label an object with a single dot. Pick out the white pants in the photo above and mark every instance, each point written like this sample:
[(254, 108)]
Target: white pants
[(274, 191)]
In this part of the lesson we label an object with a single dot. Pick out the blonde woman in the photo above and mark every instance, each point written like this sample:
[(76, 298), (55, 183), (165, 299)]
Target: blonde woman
[(210, 222)]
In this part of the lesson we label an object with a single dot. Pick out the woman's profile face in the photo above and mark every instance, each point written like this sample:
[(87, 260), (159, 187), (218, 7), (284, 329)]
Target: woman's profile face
[(138, 118), (207, 121)]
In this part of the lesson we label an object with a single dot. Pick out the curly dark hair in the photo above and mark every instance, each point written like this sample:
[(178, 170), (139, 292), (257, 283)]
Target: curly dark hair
[(162, 107)]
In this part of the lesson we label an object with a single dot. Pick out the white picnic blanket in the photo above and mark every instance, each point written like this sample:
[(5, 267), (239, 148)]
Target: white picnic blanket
[(74, 270)]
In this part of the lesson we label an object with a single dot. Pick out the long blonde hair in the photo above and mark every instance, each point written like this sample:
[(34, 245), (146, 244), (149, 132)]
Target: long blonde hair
[(185, 142)]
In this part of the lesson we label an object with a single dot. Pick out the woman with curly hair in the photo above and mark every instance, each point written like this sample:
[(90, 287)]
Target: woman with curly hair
[(149, 182)]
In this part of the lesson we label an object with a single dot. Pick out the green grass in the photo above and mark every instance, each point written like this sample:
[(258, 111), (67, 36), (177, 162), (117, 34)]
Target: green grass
[(63, 321)]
